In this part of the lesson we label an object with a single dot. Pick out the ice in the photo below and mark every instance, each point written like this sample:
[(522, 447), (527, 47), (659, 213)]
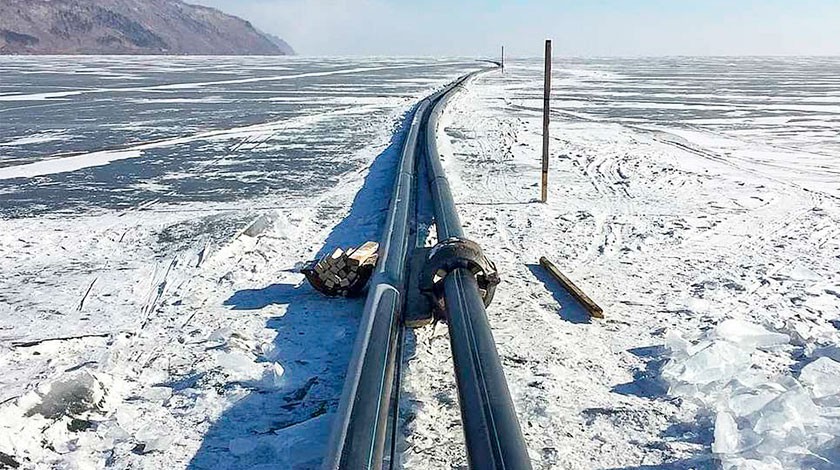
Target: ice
[(152, 439), (802, 273), (718, 362), (762, 420), (726, 434), (239, 366), (749, 335), (753, 464), (683, 214), (272, 376), (220, 335), (823, 376), (747, 401), (158, 394), (73, 396), (789, 412)]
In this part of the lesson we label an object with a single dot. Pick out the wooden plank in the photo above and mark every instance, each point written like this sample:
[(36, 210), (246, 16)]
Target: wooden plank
[(363, 253), (343, 272), (590, 306)]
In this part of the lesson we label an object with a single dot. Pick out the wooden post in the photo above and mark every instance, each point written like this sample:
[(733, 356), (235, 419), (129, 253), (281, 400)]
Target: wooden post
[(503, 59), (546, 119)]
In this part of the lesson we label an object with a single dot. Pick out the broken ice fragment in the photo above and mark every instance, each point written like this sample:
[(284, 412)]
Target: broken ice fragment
[(74, 396), (221, 335), (790, 411), (152, 439), (749, 335), (272, 376), (746, 401), (726, 434), (675, 342), (720, 361), (239, 366), (802, 273), (157, 394), (823, 377)]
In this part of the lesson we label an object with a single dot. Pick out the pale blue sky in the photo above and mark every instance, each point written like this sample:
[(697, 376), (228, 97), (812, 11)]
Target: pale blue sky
[(581, 28)]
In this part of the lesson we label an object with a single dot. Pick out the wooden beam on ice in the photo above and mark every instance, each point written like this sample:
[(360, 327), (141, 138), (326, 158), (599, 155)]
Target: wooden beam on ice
[(590, 306)]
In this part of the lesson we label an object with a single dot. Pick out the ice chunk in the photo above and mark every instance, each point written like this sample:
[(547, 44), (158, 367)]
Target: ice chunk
[(719, 362), (73, 396), (157, 394), (790, 411), (762, 421), (749, 335), (746, 401), (752, 464), (726, 434), (823, 377), (152, 439), (800, 333), (221, 335), (239, 366), (272, 376), (802, 273), (676, 343)]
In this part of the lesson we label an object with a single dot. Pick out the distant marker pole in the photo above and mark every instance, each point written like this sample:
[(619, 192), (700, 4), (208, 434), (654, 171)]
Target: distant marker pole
[(546, 119), (503, 59)]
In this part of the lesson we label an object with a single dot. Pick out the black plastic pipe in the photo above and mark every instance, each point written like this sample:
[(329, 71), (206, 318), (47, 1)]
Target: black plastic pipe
[(491, 429), (360, 426), (494, 439)]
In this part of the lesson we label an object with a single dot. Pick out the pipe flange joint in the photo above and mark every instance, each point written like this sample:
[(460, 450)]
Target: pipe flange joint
[(457, 253)]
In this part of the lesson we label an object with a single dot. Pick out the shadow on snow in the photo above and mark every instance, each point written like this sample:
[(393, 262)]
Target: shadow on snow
[(570, 309), (699, 432), (287, 426)]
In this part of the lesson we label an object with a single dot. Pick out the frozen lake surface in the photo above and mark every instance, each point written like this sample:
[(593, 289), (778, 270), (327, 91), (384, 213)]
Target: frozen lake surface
[(78, 134), (154, 213)]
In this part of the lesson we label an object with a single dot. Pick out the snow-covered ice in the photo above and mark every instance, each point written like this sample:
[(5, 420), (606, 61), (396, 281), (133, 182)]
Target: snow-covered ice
[(151, 310), (695, 200), (152, 315)]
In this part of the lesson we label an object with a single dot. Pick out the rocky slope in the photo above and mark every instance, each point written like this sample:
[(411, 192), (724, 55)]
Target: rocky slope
[(127, 27)]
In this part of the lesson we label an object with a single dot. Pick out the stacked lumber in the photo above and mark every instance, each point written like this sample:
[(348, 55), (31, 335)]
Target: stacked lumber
[(343, 272)]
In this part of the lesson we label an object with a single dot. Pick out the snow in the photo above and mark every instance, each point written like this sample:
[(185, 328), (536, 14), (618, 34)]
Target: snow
[(710, 246), (211, 350), (66, 164), (152, 305)]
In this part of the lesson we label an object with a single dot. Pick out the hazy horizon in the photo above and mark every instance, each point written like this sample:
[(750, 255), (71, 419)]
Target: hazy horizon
[(609, 28)]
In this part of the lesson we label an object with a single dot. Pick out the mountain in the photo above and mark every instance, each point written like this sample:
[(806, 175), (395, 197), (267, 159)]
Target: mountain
[(283, 45), (128, 27)]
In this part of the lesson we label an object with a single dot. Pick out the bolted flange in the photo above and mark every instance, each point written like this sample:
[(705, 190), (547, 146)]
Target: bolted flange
[(449, 255)]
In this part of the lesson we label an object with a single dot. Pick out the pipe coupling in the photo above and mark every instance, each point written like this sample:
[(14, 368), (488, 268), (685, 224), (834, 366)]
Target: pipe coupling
[(457, 253)]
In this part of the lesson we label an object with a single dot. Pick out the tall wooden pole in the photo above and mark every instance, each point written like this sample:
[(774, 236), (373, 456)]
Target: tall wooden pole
[(546, 119), (503, 58)]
